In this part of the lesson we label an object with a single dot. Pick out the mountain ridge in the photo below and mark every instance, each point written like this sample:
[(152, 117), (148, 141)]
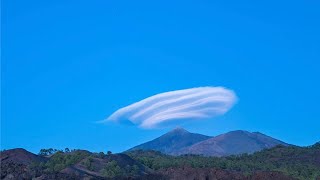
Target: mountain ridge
[(230, 143)]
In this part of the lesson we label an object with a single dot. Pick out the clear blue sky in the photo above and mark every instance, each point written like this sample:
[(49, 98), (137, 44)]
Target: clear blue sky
[(67, 64)]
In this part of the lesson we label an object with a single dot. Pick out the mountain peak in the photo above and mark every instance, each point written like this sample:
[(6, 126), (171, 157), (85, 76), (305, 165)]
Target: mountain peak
[(172, 142), (180, 141), (179, 130), (238, 132)]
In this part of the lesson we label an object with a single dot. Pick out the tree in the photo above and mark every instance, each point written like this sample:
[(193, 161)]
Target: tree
[(43, 152), (111, 170), (101, 155), (50, 151), (47, 152), (134, 170), (109, 152)]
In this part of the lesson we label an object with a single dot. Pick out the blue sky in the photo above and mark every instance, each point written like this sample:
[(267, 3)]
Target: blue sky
[(67, 64)]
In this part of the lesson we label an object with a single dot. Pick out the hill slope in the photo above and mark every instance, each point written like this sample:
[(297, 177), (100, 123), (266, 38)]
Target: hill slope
[(278, 163), (232, 143), (77, 164), (20, 156), (172, 142)]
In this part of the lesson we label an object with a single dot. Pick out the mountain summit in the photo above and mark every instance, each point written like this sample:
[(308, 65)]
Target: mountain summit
[(179, 141), (172, 142)]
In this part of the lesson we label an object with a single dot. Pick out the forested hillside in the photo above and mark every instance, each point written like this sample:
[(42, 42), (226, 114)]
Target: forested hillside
[(298, 162), (280, 162)]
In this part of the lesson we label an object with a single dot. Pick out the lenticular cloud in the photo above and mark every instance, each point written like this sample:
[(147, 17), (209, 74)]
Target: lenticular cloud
[(188, 104)]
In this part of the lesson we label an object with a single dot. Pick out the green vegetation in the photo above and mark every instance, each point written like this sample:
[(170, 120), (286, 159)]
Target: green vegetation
[(47, 152), (111, 170), (294, 161), (88, 163), (298, 162), (61, 160)]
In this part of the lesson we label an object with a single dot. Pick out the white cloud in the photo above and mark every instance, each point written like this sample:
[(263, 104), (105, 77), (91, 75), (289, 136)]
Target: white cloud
[(187, 104)]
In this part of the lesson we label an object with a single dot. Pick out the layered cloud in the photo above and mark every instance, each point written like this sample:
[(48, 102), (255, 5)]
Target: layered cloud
[(188, 104)]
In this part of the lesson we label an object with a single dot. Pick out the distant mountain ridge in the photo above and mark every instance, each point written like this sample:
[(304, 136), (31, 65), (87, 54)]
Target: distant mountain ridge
[(172, 142), (179, 141)]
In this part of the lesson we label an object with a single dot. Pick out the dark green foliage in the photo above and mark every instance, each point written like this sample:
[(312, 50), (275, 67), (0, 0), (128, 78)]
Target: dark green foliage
[(51, 151), (111, 170), (61, 160), (302, 163), (101, 154), (88, 163), (133, 170), (47, 152)]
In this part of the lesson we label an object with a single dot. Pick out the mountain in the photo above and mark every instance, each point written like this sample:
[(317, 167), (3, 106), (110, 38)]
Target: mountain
[(232, 143), (179, 141), (172, 142)]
